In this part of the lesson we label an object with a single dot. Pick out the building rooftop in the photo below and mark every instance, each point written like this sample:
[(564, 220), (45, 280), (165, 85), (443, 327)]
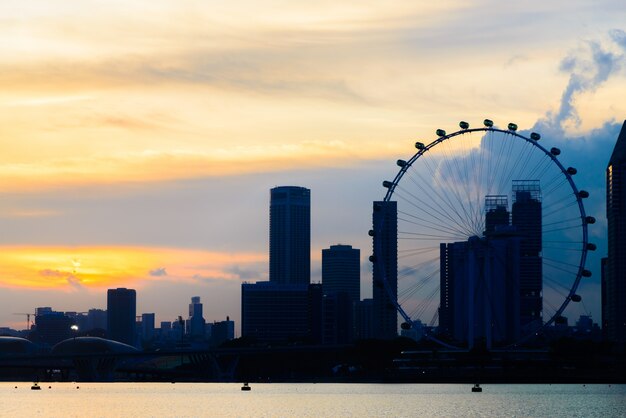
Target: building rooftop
[(619, 152)]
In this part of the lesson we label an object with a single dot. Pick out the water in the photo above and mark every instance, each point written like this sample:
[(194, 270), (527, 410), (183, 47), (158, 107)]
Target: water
[(309, 400)]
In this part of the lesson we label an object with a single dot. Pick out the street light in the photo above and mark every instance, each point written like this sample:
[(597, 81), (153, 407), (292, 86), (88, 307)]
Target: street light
[(74, 329)]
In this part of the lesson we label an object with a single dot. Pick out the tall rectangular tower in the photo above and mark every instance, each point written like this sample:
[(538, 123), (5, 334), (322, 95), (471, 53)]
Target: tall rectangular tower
[(341, 270), (385, 222), (526, 218), (290, 235), (614, 311), (121, 311), (196, 322)]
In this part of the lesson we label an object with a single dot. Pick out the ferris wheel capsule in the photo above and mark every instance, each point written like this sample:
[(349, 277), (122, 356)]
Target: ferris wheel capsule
[(464, 125), (488, 123), (512, 127)]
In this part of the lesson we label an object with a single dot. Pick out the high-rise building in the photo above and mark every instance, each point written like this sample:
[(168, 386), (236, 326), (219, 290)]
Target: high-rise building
[(52, 327), (479, 289), (290, 235), (96, 319), (615, 283), (222, 331), (385, 227), (497, 213), (196, 322), (341, 270), (147, 327), (341, 276), (603, 276), (526, 218), (272, 312), (121, 311), (364, 318)]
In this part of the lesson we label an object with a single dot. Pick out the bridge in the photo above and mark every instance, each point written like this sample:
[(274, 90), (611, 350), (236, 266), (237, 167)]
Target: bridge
[(97, 359)]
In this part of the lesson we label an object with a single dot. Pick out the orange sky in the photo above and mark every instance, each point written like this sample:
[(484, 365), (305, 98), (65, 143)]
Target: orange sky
[(113, 113)]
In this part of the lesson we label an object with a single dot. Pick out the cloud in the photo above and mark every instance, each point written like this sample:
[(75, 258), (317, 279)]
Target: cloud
[(63, 277), (74, 281), (37, 267), (208, 279), (245, 274), (158, 272), (619, 37), (588, 68), (52, 273)]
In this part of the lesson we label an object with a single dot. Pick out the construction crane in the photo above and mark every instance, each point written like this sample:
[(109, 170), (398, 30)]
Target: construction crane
[(28, 315)]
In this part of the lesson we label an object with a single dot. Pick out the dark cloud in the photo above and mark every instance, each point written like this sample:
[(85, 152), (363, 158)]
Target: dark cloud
[(619, 37), (245, 274), (74, 281), (158, 272), (71, 279), (588, 69), (52, 273)]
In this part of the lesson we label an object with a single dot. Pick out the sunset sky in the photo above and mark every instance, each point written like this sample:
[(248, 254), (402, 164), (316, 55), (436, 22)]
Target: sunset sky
[(140, 139)]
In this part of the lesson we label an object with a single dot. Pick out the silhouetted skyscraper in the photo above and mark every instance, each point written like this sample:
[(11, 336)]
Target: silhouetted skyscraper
[(147, 327), (290, 235), (615, 283), (341, 277), (341, 270), (121, 312), (497, 213), (603, 276), (385, 223), (526, 218), (479, 289), (196, 320), (272, 312)]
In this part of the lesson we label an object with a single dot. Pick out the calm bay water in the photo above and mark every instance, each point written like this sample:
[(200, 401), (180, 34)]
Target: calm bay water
[(309, 400)]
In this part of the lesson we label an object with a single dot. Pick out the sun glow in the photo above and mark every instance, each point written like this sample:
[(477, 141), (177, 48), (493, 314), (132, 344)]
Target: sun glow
[(99, 267)]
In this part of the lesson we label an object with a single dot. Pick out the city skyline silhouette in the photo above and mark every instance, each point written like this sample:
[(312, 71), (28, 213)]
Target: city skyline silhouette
[(145, 163)]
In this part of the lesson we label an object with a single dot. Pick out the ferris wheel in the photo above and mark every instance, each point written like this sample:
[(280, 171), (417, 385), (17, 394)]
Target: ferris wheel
[(491, 236)]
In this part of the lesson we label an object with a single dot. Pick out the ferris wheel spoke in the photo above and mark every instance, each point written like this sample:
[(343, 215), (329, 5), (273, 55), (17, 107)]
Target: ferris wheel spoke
[(540, 169), (452, 186), (556, 187), (436, 196), (473, 198), (556, 178), (555, 284), (562, 221), (558, 209), (412, 253), (410, 292), (521, 160), (565, 228), (422, 222), (431, 213)]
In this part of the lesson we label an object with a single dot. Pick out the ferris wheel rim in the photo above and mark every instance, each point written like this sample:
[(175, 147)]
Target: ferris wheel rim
[(391, 186)]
